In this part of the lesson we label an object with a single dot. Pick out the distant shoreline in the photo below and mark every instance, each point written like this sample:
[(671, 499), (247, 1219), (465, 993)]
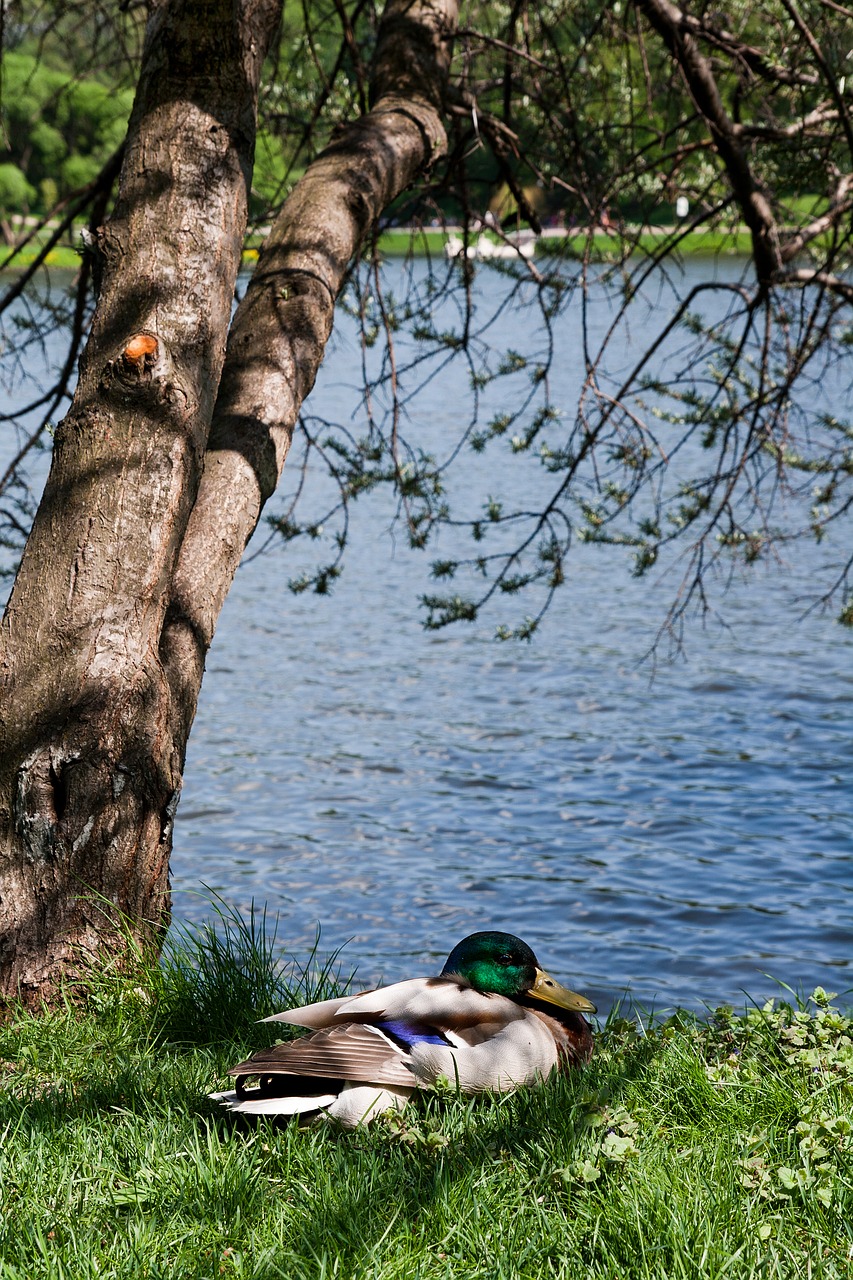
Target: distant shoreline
[(427, 242)]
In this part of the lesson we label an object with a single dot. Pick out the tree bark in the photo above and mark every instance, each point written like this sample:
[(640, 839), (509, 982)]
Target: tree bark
[(134, 549), (89, 773)]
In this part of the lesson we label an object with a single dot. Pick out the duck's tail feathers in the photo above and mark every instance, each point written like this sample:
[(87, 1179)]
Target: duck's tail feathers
[(352, 1105), (282, 1106)]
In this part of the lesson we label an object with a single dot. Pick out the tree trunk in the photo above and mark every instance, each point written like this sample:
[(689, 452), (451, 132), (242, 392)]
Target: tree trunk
[(89, 773), (133, 549)]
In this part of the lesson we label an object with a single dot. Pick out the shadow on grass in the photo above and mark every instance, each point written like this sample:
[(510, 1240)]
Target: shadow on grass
[(433, 1163), (494, 1186)]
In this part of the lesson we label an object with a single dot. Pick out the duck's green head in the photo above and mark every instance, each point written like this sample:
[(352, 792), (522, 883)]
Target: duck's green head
[(501, 964)]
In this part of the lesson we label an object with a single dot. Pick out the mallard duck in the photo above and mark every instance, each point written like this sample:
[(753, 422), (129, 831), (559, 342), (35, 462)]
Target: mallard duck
[(493, 1019)]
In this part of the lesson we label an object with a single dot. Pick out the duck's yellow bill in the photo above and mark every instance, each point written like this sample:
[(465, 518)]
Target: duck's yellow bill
[(547, 989)]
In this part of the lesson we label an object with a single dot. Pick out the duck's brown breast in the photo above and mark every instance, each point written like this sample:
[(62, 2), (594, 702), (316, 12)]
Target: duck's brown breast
[(573, 1035)]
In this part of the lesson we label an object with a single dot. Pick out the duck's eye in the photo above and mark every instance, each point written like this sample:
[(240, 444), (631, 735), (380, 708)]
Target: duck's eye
[(506, 958)]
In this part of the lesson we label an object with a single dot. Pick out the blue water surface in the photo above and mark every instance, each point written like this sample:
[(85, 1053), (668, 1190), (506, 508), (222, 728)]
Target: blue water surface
[(681, 830), (677, 829)]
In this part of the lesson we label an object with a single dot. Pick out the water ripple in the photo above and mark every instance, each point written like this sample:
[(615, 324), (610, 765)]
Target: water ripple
[(682, 838)]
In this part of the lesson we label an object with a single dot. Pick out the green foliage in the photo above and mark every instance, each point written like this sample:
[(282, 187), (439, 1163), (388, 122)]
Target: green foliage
[(16, 193), (58, 130), (93, 116), (687, 1147), (49, 148), (273, 177), (77, 171)]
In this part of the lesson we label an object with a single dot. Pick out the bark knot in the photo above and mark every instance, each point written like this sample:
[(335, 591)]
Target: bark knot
[(41, 795), (142, 366), (140, 354)]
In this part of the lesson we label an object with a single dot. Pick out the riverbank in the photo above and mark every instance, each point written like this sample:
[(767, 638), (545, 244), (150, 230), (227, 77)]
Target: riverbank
[(687, 1147), (402, 242), (577, 243)]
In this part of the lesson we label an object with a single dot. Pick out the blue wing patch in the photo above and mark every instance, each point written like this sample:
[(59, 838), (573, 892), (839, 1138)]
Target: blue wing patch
[(412, 1033)]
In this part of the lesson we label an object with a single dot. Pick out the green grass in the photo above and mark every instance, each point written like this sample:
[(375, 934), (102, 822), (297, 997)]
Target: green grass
[(400, 242), (62, 255), (689, 1148)]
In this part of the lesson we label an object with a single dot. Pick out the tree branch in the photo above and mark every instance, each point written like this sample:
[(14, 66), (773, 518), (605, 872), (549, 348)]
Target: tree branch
[(668, 20), (753, 59), (803, 276), (840, 204), (781, 133)]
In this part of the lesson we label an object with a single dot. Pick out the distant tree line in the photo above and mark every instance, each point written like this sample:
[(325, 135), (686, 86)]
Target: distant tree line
[(582, 83), (58, 132)]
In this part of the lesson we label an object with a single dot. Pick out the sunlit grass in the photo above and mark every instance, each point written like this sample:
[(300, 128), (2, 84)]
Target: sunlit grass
[(599, 247), (430, 242), (689, 1148)]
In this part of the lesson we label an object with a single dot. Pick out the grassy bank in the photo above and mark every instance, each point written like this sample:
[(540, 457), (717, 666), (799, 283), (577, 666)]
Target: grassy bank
[(687, 1148), (601, 247), (401, 243)]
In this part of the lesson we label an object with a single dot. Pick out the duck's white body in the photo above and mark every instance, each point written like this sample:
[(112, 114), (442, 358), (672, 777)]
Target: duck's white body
[(368, 1053)]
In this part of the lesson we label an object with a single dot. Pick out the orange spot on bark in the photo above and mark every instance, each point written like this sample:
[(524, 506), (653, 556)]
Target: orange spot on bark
[(140, 346)]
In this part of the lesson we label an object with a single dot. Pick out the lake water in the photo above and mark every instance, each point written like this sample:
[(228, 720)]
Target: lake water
[(685, 837)]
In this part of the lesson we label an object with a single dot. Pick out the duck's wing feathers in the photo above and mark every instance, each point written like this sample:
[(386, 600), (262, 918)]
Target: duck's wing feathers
[(448, 1003), (349, 1052), (443, 1002), (321, 1014), (273, 1105)]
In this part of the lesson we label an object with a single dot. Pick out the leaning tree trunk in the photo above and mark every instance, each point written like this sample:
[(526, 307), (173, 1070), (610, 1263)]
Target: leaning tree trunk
[(134, 548), (89, 773)]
